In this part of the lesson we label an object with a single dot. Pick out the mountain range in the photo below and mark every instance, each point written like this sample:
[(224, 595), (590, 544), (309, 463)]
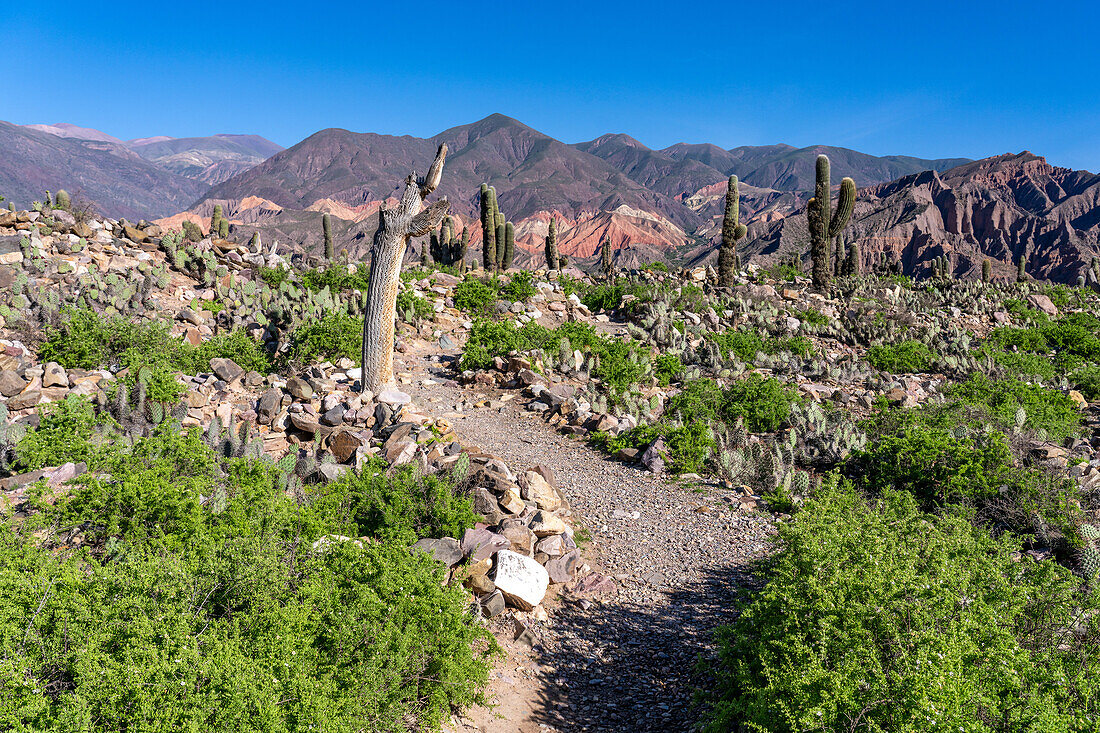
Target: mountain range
[(650, 204)]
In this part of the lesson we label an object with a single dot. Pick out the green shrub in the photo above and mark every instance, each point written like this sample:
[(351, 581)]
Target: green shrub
[(812, 317), (668, 368), (274, 276), (189, 611), (329, 337), (1048, 410), (763, 403), (689, 446), (413, 307), (65, 433), (745, 345), (953, 454), (475, 297), (520, 287), (336, 278), (906, 621), (905, 357), (86, 340)]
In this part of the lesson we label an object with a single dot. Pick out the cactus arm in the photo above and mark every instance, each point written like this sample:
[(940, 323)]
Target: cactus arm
[(844, 206)]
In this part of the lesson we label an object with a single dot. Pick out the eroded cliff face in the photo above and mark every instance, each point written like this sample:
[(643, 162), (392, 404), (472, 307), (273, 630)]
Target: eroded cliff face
[(999, 209)]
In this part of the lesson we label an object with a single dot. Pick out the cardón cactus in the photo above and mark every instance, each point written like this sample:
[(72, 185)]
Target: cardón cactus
[(824, 225)]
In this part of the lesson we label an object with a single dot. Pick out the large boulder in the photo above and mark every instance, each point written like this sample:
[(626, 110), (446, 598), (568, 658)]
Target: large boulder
[(521, 579)]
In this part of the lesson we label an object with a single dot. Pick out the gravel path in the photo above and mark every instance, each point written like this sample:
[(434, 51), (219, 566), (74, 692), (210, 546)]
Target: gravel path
[(624, 662)]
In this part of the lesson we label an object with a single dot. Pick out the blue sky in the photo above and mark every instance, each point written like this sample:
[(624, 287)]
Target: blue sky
[(932, 79)]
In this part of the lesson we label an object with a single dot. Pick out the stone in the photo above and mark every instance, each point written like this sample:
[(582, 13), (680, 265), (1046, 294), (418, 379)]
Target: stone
[(480, 584), (1043, 303), (11, 258), (521, 579), (445, 342), (521, 634), (305, 423), (334, 416), (399, 453), (268, 406), (493, 604), (536, 489), (299, 388), (552, 546), (344, 444), (1078, 399), (67, 472), (653, 457), (393, 397), (25, 399), (479, 544), (544, 524), (226, 369), (562, 569), (522, 539), (447, 550), (333, 471), (11, 383), (54, 375), (133, 234), (511, 501)]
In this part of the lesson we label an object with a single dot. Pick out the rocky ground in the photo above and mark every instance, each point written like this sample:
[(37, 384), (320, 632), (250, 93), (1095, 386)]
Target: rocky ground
[(603, 579)]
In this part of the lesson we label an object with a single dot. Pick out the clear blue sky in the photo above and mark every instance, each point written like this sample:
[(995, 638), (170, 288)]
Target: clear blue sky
[(931, 79)]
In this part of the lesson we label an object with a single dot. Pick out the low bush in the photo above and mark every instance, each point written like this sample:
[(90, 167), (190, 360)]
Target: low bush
[(201, 602), (1048, 410), (955, 454), (745, 345), (520, 288), (274, 276), (906, 357), (475, 297), (668, 368), (877, 613), (65, 433), (329, 337), (337, 277), (86, 340), (413, 307), (763, 403)]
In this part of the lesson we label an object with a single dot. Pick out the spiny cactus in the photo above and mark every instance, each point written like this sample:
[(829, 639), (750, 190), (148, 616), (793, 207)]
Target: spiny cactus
[(62, 200), (854, 266), (823, 225), (223, 228), (216, 219), (732, 232), (605, 258), (551, 248), (1021, 272), (488, 227), (987, 271), (326, 228), (509, 246)]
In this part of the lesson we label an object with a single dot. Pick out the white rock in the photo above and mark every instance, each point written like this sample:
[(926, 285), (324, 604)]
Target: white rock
[(521, 579), (393, 397)]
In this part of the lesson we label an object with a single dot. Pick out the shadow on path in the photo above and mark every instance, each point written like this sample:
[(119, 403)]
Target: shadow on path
[(622, 666)]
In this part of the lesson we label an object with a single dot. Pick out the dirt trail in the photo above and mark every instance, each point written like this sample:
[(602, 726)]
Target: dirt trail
[(623, 662)]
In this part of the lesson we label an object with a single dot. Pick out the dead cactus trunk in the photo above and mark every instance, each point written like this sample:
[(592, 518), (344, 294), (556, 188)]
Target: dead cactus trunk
[(395, 228)]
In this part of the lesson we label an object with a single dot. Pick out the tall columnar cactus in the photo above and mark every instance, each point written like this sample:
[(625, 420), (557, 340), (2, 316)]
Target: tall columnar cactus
[(605, 258), (1021, 272), (62, 200), (552, 247), (488, 227), (987, 271), (460, 249), (223, 228), (326, 227), (215, 220), (509, 245), (825, 225), (854, 265), (500, 246), (732, 232)]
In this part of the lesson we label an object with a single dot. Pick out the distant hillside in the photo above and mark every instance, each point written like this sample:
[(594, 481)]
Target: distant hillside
[(208, 159), (999, 208), (202, 160), (119, 181)]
